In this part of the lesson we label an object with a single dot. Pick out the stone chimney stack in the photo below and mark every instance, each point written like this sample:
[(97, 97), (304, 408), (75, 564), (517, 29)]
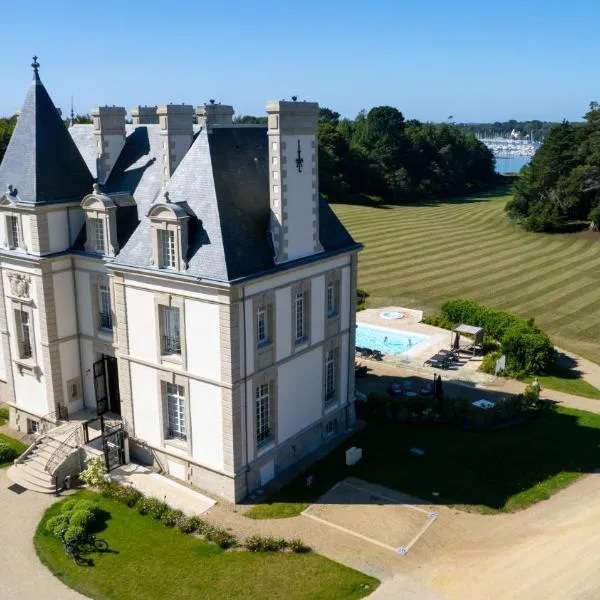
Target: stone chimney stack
[(176, 130), (293, 178), (144, 115), (109, 131), (210, 114)]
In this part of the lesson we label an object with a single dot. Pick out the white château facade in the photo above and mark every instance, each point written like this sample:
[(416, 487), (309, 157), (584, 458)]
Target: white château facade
[(182, 274)]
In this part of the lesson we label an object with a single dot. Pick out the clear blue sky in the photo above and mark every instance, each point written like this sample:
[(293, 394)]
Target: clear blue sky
[(478, 60)]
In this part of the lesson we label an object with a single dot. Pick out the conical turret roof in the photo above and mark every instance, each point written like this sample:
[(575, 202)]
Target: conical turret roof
[(42, 163)]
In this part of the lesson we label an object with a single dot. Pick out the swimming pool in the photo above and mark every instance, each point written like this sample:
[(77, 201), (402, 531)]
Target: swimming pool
[(387, 341)]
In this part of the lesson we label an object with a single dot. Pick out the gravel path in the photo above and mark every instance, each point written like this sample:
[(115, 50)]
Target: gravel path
[(24, 577)]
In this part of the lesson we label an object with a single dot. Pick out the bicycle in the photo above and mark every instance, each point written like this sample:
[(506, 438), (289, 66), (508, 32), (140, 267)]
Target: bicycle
[(69, 547), (88, 542)]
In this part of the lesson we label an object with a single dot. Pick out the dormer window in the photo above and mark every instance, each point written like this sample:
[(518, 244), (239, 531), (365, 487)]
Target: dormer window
[(98, 228), (166, 248), (100, 223), (170, 223)]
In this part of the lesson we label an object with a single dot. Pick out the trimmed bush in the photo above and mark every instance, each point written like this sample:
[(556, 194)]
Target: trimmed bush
[(298, 546), (191, 524), (172, 517), (528, 349), (7, 453), (156, 508), (95, 472), (57, 524), (82, 518), (259, 543)]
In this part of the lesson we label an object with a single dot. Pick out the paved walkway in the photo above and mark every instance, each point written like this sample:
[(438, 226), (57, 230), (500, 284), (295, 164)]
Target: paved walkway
[(24, 577)]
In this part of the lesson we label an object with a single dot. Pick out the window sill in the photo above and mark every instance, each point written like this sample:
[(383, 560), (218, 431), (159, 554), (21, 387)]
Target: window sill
[(27, 365), (265, 446), (174, 359), (333, 315), (300, 343), (331, 405), (177, 445), (264, 345)]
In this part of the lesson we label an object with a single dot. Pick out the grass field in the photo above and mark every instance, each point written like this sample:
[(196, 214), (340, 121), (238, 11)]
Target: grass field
[(20, 448), (146, 560), (489, 470), (419, 256)]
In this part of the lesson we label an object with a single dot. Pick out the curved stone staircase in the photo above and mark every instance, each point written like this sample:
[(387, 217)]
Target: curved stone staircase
[(35, 468)]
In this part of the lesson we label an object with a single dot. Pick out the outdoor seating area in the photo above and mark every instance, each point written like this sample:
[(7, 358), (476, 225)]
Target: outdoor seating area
[(406, 387), (369, 354)]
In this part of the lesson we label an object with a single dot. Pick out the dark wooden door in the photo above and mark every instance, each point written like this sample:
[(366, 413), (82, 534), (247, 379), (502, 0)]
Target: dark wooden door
[(100, 386)]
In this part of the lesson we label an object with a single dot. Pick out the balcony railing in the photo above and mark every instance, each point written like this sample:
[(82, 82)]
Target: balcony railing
[(171, 344), (106, 320)]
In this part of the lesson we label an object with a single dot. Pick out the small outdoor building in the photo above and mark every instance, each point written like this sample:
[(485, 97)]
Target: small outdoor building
[(475, 338)]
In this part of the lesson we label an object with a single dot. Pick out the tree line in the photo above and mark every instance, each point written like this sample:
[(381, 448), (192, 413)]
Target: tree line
[(561, 184), (381, 156), (537, 130)]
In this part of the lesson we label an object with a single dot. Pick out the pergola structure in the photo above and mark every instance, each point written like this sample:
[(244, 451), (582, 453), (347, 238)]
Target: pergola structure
[(475, 343)]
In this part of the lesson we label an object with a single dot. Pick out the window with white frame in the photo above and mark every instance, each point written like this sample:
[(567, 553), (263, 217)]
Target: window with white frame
[(14, 231), (262, 326), (105, 313), (98, 232), (23, 333), (176, 411), (300, 333), (263, 417), (166, 248), (169, 328), (330, 375)]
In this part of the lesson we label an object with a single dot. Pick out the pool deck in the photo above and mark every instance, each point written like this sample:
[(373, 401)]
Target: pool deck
[(414, 359)]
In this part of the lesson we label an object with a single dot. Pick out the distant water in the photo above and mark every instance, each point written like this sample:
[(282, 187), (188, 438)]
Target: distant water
[(511, 164)]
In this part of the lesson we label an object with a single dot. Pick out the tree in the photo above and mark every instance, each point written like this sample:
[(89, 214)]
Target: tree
[(7, 126)]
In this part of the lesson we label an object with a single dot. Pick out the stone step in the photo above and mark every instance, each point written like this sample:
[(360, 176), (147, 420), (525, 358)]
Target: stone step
[(20, 477), (34, 473), (40, 461)]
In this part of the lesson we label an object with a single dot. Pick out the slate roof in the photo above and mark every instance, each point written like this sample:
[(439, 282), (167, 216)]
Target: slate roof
[(42, 162), (223, 180), (222, 183)]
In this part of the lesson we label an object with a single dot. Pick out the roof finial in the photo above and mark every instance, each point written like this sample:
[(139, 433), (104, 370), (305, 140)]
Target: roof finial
[(72, 112), (36, 67)]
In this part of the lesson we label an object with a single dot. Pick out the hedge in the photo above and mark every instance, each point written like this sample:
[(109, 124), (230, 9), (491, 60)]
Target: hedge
[(527, 348)]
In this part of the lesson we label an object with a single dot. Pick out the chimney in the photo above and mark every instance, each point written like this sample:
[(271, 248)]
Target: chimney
[(176, 130), (210, 114), (293, 178), (109, 131), (144, 115)]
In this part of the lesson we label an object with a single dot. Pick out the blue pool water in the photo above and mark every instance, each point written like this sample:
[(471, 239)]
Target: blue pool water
[(387, 341)]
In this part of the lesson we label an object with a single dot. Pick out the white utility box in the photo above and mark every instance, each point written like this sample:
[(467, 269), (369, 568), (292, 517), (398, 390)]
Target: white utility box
[(353, 455)]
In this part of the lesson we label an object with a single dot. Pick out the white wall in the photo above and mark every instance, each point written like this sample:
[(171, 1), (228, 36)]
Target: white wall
[(299, 393), (206, 416), (343, 367), (146, 403), (88, 356), (65, 303), (283, 307), (141, 322), (26, 225), (299, 196), (345, 298), (202, 338), (69, 364), (84, 302), (317, 310), (58, 230)]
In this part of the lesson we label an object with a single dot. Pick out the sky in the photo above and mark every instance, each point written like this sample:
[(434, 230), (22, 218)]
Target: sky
[(479, 61)]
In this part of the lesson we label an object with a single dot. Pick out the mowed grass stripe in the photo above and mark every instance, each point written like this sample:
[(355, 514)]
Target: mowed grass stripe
[(499, 267), (410, 258)]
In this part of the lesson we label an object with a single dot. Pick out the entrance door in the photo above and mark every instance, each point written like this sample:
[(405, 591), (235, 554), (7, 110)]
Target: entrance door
[(100, 386), (114, 452), (112, 381), (106, 385)]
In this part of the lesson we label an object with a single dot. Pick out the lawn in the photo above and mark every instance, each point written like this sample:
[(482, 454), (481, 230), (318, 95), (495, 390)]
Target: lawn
[(419, 256), (489, 471), (147, 560), (20, 448)]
